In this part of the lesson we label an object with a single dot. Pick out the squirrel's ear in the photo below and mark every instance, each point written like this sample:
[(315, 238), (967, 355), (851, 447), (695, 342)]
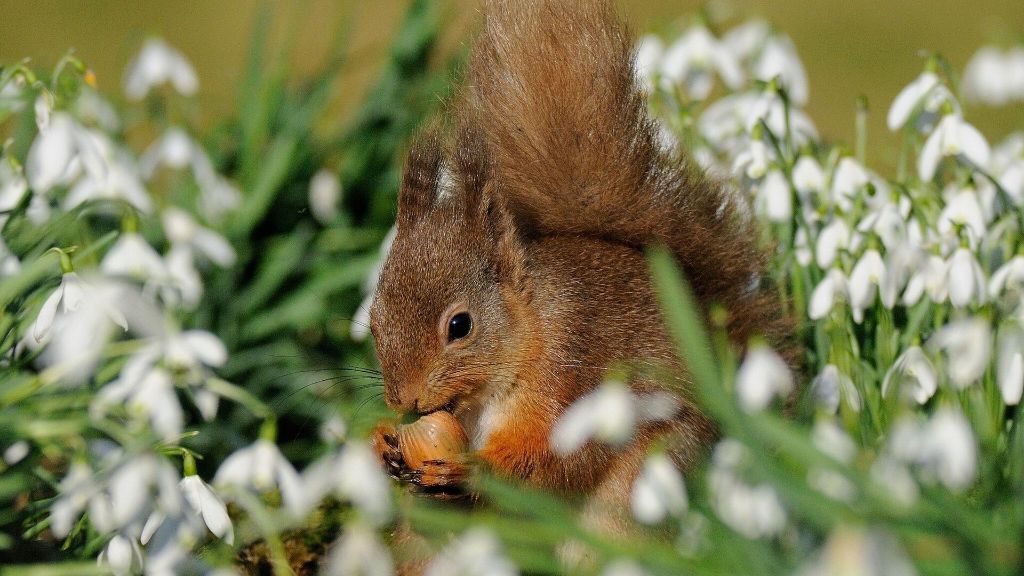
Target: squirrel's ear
[(508, 253), (420, 177)]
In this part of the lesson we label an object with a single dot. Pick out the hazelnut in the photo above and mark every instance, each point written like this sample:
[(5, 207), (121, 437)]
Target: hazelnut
[(436, 436)]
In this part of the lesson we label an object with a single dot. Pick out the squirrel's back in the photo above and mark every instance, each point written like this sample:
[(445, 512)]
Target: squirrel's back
[(573, 149)]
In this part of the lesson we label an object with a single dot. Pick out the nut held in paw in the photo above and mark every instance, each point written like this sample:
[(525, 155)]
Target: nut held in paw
[(436, 436)]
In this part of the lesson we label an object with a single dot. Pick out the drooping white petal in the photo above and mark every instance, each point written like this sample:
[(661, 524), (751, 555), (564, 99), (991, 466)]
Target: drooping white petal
[(44, 321), (914, 374), (659, 491), (966, 279), (825, 294), (909, 98), (762, 376), (1010, 368), (967, 345)]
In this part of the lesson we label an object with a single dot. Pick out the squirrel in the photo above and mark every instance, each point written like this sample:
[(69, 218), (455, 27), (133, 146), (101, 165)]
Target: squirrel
[(518, 276)]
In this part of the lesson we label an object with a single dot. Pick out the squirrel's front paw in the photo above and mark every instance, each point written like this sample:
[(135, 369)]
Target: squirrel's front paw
[(385, 443), (439, 475)]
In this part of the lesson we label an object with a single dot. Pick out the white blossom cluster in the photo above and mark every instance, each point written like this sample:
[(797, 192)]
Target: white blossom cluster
[(924, 269), (113, 324)]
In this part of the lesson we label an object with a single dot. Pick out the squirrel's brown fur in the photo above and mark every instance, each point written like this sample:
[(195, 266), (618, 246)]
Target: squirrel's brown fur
[(533, 216)]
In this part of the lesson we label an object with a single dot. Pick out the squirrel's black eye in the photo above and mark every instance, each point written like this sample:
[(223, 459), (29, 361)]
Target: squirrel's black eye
[(459, 326)]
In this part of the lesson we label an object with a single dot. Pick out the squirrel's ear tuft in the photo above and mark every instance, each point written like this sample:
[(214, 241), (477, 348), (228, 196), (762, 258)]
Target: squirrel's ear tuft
[(420, 177), (508, 251)]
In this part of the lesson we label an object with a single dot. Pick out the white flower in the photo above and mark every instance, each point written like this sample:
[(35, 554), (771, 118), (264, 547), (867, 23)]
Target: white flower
[(808, 177), (953, 137), (67, 298), (967, 346), (1010, 367), (118, 180), (913, 374), (835, 236), (647, 59), (157, 64), (359, 552), (261, 467), (132, 256), (333, 430), (692, 59), (183, 231), (1008, 278), (925, 95), (778, 58), (802, 247), (773, 199), (324, 196), (183, 276), (59, 152), (122, 555), (994, 77), (762, 376), (175, 148), (868, 274), (963, 209), (830, 439), (354, 474), (747, 39), (753, 511), (204, 504), (965, 279), (658, 491), (831, 386), (477, 552), (930, 277), (942, 448), (146, 392), (623, 567), (854, 551), (16, 452), (754, 161), (610, 414), (847, 182), (826, 293)]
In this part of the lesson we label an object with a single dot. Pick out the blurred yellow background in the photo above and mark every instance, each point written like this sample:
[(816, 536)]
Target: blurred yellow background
[(849, 47)]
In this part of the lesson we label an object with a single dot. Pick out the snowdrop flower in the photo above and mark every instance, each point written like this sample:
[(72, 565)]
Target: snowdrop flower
[(182, 230), (1009, 278), (963, 209), (119, 179), (868, 274), (835, 236), (746, 40), (333, 430), (886, 222), (762, 376), (75, 489), (855, 551), (71, 294), (832, 288), (930, 278), (967, 344), (122, 555), (132, 256), (1010, 368), (953, 137), (693, 58), (204, 504), (355, 475), (925, 96), (994, 77), (832, 385), (830, 439), (359, 552), (177, 150), (769, 108), (753, 162), (753, 511), (158, 64), (146, 392), (16, 452), (778, 58), (324, 196), (477, 552), (802, 247), (623, 567), (942, 449), (724, 123), (965, 279), (772, 198), (659, 491), (913, 374), (847, 182), (610, 414), (261, 467), (646, 60), (58, 153), (808, 177)]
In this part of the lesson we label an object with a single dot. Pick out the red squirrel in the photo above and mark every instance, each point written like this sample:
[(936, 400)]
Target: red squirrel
[(518, 274)]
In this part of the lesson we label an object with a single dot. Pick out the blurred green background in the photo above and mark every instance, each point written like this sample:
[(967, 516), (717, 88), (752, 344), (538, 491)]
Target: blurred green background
[(850, 47)]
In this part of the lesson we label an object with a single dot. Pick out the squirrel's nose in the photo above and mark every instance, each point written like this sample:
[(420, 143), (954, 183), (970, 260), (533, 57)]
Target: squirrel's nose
[(400, 398)]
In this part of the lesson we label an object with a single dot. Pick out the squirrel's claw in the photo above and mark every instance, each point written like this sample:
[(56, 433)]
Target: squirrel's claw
[(385, 443)]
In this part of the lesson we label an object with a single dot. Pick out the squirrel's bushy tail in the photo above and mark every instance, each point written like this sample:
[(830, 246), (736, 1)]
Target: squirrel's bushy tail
[(574, 151)]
